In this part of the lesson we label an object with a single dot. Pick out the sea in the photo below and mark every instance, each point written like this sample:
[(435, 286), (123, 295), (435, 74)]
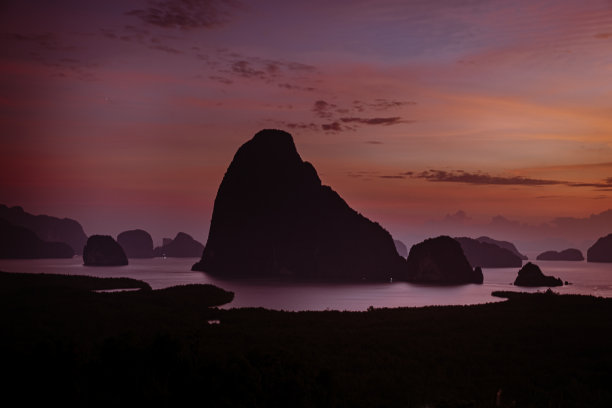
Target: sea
[(584, 278)]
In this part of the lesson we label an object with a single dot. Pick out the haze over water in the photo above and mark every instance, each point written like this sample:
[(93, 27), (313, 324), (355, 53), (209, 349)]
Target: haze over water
[(585, 278)]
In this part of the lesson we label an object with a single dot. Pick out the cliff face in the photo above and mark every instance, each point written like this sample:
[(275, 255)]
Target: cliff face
[(440, 261), (601, 251), (47, 228), (273, 217)]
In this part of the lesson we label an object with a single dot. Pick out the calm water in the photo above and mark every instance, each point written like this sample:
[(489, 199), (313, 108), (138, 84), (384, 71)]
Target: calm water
[(586, 278)]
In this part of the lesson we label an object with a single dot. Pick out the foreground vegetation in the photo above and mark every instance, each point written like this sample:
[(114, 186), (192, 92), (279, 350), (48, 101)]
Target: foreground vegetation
[(64, 342)]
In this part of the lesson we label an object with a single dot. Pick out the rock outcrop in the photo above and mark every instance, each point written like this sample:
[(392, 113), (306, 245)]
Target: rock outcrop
[(488, 255), (503, 244), (136, 243), (570, 254), (531, 275), (182, 246), (47, 228), (273, 217), (103, 250), (21, 243), (440, 261), (401, 248), (601, 251)]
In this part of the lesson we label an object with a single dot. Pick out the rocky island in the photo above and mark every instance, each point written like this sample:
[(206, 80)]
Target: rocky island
[(531, 275), (103, 250), (440, 261), (182, 246), (570, 254), (21, 243), (488, 255), (601, 251), (273, 217), (136, 243)]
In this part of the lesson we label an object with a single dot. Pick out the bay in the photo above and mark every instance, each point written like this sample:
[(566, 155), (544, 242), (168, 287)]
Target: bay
[(585, 278)]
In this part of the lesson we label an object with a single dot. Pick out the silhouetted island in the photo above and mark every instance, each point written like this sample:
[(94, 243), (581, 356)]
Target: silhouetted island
[(440, 261), (21, 243), (570, 254), (401, 248), (103, 250), (273, 217), (136, 243), (531, 275), (182, 246), (488, 255), (47, 228), (601, 251), (503, 244)]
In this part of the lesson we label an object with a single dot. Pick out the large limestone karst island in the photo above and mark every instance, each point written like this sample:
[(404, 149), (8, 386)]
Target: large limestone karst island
[(273, 217)]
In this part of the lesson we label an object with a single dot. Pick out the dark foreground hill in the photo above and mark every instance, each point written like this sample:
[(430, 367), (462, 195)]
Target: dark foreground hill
[(159, 348), (273, 217)]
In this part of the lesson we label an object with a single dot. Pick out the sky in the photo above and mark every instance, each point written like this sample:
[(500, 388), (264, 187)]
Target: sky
[(431, 117)]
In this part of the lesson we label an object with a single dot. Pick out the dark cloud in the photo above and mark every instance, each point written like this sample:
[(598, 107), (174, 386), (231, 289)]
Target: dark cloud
[(461, 176), (185, 14), (332, 127), (302, 125), (220, 79), (246, 70), (373, 121), (324, 110), (165, 48), (296, 87), (379, 104)]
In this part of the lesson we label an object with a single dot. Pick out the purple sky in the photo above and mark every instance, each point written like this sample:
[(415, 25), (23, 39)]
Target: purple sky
[(125, 114)]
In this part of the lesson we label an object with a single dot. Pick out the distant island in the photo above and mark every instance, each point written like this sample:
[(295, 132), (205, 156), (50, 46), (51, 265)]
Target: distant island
[(182, 246), (20, 243), (136, 243), (601, 251), (503, 244), (531, 275), (273, 217), (440, 261), (488, 255), (570, 254), (47, 228), (103, 250)]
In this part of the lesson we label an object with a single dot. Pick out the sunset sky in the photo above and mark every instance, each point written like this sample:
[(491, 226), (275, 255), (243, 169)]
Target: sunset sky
[(125, 114)]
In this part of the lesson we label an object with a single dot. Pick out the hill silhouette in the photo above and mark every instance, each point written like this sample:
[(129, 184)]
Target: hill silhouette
[(136, 243), (440, 261), (503, 244), (182, 246), (531, 275), (21, 243), (601, 251), (488, 255), (570, 254), (103, 250), (273, 217), (47, 228)]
